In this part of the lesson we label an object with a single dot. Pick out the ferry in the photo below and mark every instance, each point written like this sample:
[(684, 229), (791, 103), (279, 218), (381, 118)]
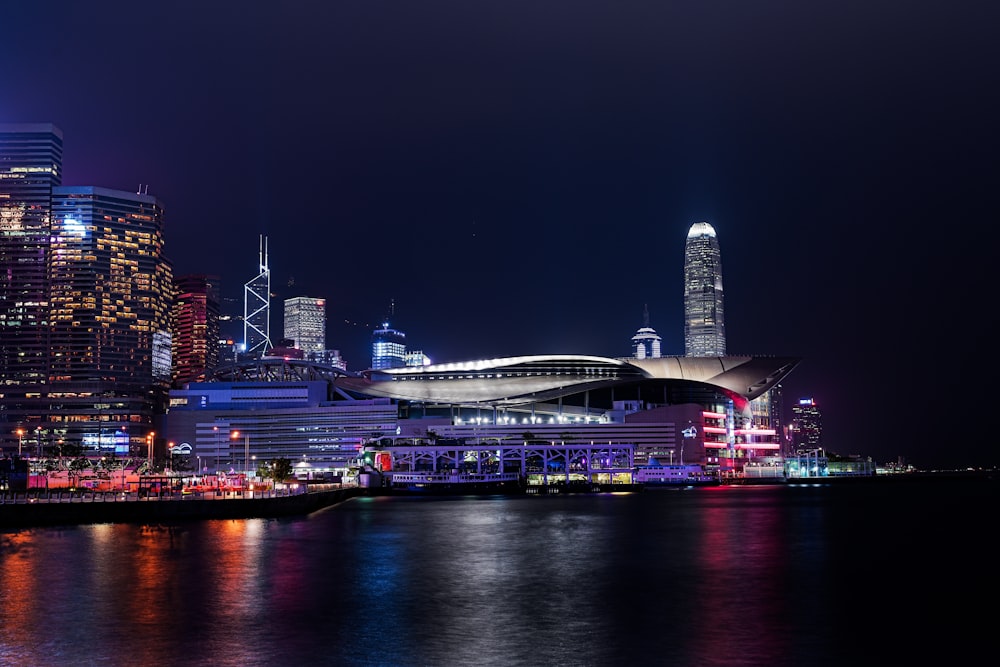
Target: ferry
[(452, 482), (670, 475)]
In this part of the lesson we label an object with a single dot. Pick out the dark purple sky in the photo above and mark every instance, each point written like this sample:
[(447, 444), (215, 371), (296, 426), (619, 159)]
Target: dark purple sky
[(519, 176)]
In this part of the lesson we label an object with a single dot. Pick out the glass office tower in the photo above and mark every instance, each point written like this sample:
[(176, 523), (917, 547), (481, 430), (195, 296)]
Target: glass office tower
[(111, 291), (388, 348), (807, 425), (30, 166), (305, 323), (704, 315), (196, 327)]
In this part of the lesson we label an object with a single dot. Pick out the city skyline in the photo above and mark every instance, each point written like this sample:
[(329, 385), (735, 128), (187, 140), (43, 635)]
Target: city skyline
[(521, 183)]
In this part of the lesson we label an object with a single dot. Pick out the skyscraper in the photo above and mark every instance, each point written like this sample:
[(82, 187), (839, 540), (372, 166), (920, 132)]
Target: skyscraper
[(111, 288), (704, 315), (646, 342), (257, 309), (30, 166), (807, 425), (196, 327), (305, 323), (108, 291), (388, 344), (388, 347)]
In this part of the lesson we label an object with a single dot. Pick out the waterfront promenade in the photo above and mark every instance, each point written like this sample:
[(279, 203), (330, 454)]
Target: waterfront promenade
[(62, 507)]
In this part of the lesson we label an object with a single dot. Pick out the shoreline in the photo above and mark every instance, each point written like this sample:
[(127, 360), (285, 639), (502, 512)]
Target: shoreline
[(111, 508), (75, 512)]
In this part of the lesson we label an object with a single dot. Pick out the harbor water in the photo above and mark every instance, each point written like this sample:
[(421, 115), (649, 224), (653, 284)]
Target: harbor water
[(878, 573)]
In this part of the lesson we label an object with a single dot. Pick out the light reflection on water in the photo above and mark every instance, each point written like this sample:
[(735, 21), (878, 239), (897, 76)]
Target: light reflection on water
[(720, 576)]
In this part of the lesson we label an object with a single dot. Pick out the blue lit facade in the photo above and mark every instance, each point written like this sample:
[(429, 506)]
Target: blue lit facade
[(388, 348)]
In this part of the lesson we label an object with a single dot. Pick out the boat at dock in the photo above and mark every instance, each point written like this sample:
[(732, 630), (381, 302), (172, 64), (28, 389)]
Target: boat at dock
[(673, 476), (451, 482)]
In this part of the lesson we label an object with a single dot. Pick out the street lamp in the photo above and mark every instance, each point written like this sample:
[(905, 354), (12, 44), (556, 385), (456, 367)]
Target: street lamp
[(170, 448), (20, 441), (218, 445), (235, 435)]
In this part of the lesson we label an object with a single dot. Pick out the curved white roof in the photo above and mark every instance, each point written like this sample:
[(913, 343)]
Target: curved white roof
[(514, 380)]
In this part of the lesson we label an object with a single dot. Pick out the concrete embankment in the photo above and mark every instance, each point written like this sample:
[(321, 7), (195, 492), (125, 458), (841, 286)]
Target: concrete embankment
[(112, 509)]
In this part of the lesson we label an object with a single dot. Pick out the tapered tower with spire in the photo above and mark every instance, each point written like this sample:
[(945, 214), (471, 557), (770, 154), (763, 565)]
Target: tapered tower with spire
[(257, 308), (704, 315)]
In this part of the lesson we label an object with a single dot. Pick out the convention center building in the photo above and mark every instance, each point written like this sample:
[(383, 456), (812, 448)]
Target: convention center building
[(545, 414)]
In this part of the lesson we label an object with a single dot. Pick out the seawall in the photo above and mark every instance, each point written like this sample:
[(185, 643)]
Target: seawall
[(155, 510)]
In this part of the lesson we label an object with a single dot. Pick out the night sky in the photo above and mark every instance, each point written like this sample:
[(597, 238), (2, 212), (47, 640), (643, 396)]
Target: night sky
[(518, 177)]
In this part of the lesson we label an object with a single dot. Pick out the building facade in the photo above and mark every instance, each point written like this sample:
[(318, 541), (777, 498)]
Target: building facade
[(305, 323), (30, 167), (196, 327), (109, 292), (807, 425), (704, 312), (565, 408), (388, 348)]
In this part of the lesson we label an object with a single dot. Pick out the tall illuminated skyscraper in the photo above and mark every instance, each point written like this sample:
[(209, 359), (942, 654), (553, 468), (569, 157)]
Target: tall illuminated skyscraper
[(704, 315), (196, 327), (257, 309), (807, 425), (111, 288), (108, 292), (305, 323), (30, 166), (388, 347)]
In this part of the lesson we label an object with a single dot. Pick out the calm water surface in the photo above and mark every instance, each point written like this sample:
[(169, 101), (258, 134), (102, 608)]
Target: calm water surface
[(877, 573)]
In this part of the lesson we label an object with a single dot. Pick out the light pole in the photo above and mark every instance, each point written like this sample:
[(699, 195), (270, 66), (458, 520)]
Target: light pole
[(149, 450), (235, 435), (218, 445), (20, 441)]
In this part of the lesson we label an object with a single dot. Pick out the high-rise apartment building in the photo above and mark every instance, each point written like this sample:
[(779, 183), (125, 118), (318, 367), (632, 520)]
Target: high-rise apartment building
[(646, 342), (704, 315), (196, 328), (30, 166), (305, 323)]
